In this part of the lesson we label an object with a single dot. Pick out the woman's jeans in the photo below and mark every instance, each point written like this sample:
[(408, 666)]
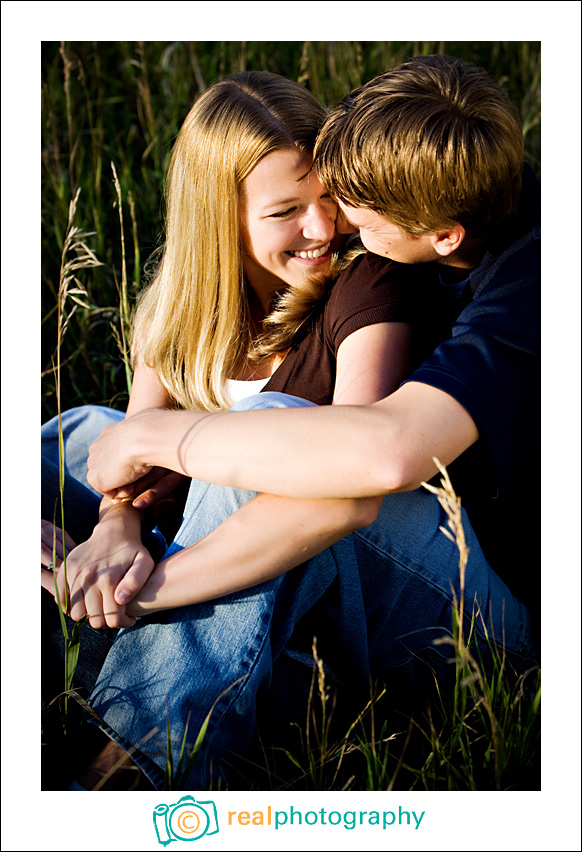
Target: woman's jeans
[(380, 603)]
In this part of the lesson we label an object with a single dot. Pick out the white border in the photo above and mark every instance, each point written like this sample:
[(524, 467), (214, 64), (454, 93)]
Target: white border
[(545, 820)]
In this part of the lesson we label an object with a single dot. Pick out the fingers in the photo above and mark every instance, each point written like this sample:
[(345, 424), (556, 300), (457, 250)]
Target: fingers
[(69, 543), (46, 553), (49, 527), (146, 500), (47, 581), (93, 579), (165, 487), (70, 593), (97, 602), (77, 603), (64, 596), (135, 578), (112, 614), (51, 537), (102, 609), (93, 591), (141, 484)]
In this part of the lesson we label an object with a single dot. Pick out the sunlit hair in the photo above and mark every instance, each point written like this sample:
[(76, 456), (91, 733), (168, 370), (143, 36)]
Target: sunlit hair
[(193, 323), (431, 142), (298, 307)]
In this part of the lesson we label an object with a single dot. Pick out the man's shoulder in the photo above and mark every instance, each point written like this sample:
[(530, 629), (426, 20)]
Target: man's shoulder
[(523, 230), (519, 263), (513, 255)]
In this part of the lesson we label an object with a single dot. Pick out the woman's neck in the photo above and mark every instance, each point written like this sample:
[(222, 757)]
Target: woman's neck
[(252, 370), (249, 370)]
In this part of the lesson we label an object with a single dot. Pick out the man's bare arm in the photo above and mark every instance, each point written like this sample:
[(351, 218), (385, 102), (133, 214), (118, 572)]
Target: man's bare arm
[(332, 451)]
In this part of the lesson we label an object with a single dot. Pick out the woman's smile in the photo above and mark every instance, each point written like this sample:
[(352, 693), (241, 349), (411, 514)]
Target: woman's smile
[(311, 254), (288, 222)]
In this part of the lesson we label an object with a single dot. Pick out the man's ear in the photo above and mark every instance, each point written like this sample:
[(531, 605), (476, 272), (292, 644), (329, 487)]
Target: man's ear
[(446, 242)]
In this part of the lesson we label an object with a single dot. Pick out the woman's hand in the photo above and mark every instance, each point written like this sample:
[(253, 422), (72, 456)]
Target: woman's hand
[(52, 545), (158, 486), (103, 574), (51, 537)]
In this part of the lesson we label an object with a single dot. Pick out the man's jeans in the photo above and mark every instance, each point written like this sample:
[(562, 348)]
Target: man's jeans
[(377, 601)]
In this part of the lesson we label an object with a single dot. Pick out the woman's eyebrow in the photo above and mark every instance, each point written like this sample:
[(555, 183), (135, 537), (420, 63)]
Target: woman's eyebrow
[(270, 205), (292, 200)]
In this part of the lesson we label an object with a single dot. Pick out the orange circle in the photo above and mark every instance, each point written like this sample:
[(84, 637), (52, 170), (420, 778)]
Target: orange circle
[(186, 828)]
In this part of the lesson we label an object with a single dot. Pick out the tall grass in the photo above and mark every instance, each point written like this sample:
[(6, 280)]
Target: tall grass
[(76, 255)]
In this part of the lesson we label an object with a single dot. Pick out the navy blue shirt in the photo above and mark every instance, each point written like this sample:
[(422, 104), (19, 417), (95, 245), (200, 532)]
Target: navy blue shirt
[(490, 363)]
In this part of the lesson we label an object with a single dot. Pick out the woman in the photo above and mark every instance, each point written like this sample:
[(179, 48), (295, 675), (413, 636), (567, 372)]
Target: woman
[(237, 305)]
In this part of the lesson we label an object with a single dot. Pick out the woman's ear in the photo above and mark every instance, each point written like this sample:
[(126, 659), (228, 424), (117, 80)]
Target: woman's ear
[(446, 242)]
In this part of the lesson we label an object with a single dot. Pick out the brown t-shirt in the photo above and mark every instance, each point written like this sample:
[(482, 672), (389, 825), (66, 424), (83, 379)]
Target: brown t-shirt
[(371, 290)]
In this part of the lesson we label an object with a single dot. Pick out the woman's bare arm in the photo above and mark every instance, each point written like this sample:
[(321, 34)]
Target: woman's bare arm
[(372, 362), (265, 538), (146, 390)]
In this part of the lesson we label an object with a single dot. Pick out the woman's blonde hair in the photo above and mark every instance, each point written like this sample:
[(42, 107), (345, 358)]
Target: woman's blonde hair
[(193, 323)]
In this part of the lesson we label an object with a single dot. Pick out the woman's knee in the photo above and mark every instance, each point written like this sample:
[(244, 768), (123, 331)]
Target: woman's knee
[(81, 426)]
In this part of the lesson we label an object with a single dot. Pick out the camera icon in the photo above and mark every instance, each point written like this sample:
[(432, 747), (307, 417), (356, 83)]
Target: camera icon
[(187, 819)]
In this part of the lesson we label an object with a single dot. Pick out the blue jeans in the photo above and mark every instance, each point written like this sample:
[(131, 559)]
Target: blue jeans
[(376, 600)]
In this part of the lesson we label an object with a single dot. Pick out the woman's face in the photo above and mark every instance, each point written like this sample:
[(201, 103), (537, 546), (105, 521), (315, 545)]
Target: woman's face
[(287, 222)]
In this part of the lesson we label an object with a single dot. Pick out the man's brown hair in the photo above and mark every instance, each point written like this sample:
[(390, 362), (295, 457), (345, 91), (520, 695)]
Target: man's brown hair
[(431, 142)]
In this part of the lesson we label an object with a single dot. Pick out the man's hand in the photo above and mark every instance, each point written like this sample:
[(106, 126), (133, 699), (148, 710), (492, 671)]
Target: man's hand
[(127, 451), (113, 460), (103, 574)]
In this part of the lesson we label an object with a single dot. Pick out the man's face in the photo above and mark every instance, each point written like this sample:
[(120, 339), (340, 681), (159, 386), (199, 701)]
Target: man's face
[(382, 237)]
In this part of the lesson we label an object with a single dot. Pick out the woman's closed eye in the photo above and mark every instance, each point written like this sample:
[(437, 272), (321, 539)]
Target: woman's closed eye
[(282, 213)]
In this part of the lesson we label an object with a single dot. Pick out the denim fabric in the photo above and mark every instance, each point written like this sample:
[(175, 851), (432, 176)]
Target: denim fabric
[(81, 427), (376, 600)]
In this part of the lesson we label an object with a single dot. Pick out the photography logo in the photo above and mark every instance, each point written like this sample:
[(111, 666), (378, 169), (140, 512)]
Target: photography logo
[(185, 820)]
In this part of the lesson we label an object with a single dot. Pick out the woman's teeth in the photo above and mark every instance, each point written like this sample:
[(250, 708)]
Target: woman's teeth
[(312, 252)]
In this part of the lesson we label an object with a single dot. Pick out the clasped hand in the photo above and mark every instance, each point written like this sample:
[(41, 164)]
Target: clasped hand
[(95, 571), (107, 571)]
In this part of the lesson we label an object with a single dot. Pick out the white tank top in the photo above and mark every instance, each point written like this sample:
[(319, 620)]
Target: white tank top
[(239, 390)]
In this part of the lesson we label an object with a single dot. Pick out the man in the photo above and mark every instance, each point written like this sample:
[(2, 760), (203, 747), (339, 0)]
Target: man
[(426, 162)]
